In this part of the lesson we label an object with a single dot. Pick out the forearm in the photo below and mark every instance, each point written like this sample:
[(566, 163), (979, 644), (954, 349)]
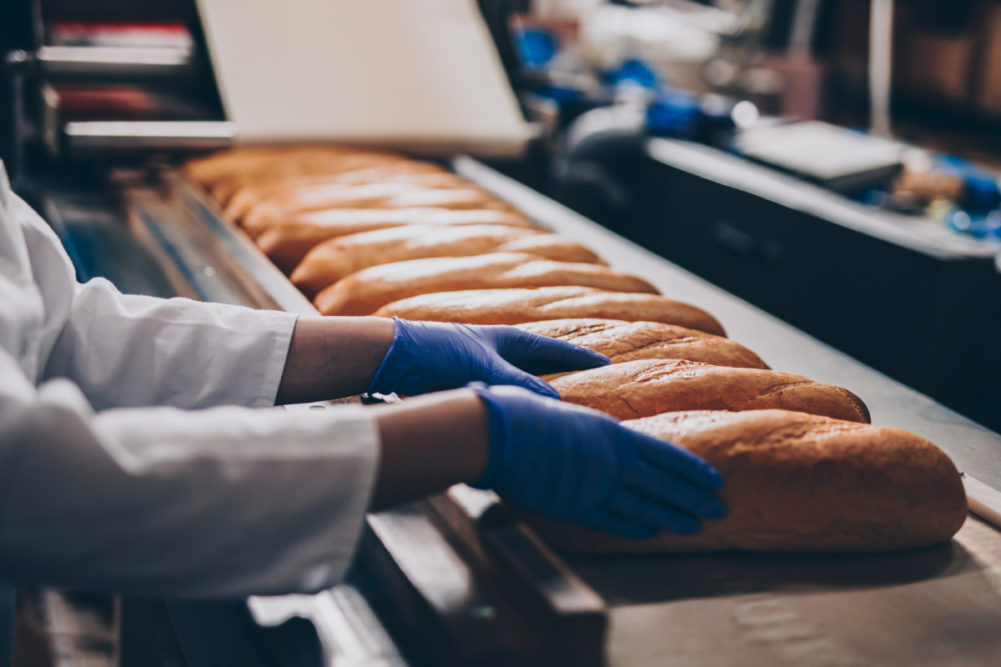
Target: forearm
[(428, 444), (157, 500), (331, 357)]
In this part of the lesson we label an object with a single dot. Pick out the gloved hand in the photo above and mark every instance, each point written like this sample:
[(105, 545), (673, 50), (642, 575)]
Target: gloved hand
[(575, 464), (431, 356)]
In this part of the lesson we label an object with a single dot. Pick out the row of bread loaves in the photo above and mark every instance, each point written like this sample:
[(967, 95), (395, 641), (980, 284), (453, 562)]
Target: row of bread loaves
[(373, 233)]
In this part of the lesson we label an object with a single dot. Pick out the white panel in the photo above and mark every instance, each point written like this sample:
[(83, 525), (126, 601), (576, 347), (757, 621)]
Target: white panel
[(411, 73)]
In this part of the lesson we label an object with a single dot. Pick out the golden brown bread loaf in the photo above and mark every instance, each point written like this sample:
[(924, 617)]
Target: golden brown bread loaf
[(364, 292), (243, 197), (373, 195), (337, 258), (276, 161), (513, 306), (288, 243), (623, 341), (798, 482), (356, 172), (649, 387)]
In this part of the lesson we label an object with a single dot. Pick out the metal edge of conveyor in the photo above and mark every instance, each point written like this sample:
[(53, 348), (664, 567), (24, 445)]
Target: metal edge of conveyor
[(251, 260), (486, 623), (984, 499), (916, 233)]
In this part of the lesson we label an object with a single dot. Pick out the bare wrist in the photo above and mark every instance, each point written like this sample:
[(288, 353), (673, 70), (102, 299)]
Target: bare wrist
[(429, 443)]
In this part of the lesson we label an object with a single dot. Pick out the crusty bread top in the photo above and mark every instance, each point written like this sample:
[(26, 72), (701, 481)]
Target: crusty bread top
[(628, 341), (339, 257), (288, 243), (798, 482), (753, 449), (393, 217), (366, 291), (278, 160), (513, 306), (351, 220), (225, 189), (241, 198), (651, 386), (372, 195)]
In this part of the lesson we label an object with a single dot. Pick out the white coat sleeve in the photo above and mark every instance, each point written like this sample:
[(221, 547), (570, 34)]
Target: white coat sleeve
[(223, 502), (128, 350)]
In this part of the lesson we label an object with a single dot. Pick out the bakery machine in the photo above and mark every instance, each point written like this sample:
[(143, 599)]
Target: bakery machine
[(457, 579)]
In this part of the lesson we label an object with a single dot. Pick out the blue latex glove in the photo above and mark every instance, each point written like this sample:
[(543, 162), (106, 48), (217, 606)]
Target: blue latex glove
[(431, 356), (575, 464)]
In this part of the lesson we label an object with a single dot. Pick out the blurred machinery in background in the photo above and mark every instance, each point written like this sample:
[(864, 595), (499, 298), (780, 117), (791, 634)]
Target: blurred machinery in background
[(714, 134)]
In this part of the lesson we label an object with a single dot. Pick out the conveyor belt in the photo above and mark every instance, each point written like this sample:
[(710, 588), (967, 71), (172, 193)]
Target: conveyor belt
[(931, 606)]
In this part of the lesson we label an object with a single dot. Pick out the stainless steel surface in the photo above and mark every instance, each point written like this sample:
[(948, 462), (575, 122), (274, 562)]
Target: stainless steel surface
[(277, 286), (348, 630), (937, 606), (985, 501), (146, 136)]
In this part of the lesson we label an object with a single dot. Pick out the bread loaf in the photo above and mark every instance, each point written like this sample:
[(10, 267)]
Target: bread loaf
[(798, 482), (512, 306), (374, 195), (364, 292), (225, 189), (249, 194), (651, 386), (276, 161), (337, 258), (288, 243), (628, 341)]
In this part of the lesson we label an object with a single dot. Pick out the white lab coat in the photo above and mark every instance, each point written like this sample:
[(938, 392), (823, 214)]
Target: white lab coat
[(137, 452)]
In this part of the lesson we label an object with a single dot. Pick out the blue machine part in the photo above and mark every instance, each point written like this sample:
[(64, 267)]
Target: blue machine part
[(634, 72), (536, 47), (977, 226), (981, 191), (560, 93), (676, 113)]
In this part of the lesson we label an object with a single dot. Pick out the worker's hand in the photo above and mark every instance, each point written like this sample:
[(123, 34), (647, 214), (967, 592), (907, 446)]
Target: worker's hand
[(579, 465), (431, 356)]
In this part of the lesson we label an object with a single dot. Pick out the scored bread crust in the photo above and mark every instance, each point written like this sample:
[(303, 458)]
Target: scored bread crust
[(798, 482), (270, 162), (254, 186), (241, 197), (622, 341), (366, 291), (339, 257), (651, 386), (372, 195), (514, 306), (288, 243)]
